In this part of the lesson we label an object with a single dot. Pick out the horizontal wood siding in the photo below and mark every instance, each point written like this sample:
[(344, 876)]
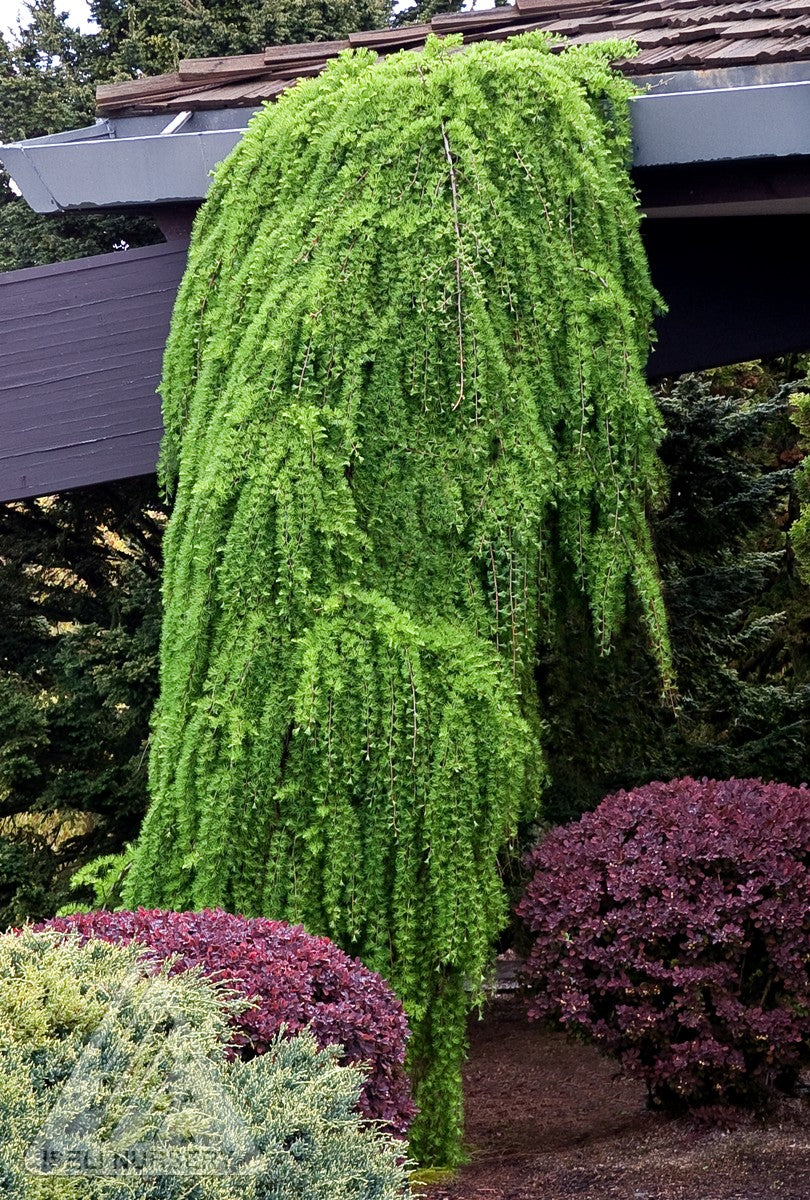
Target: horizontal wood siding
[(81, 345)]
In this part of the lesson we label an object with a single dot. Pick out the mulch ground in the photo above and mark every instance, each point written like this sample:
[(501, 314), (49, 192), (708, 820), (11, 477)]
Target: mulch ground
[(548, 1119)]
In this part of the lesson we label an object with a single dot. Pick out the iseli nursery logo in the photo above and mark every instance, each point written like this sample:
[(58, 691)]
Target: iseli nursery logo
[(145, 1098)]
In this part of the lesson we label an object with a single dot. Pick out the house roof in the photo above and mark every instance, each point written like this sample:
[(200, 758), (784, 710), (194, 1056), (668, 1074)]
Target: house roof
[(721, 124), (672, 35), (721, 160)]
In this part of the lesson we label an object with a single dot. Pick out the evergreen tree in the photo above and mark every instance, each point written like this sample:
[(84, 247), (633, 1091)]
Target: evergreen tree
[(79, 582), (801, 531), (733, 591), (421, 11), (78, 573), (739, 614), (153, 35)]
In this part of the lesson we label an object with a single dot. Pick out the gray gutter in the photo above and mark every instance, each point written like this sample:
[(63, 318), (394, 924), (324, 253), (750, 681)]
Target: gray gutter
[(132, 161), (747, 114), (757, 121)]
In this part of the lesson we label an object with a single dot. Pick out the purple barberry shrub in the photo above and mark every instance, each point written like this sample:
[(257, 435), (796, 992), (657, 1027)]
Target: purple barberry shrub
[(672, 927), (293, 979)]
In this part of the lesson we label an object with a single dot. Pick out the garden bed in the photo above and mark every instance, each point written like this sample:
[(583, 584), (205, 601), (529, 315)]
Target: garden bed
[(548, 1119)]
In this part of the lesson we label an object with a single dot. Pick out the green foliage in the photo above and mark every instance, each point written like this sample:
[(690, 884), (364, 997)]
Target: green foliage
[(733, 595), (801, 529), (421, 11), (54, 996), (99, 883), (46, 74), (78, 642), (54, 990), (28, 864), (153, 35), (303, 1119), (79, 588), (739, 616), (144, 1053), (404, 378)]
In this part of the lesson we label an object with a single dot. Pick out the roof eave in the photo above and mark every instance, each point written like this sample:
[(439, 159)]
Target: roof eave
[(107, 167), (769, 120), (152, 161)]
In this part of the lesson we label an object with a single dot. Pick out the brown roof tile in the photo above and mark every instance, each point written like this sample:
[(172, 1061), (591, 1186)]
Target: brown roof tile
[(215, 69), (391, 39), (672, 35), (303, 51), (253, 93), (490, 18), (741, 50)]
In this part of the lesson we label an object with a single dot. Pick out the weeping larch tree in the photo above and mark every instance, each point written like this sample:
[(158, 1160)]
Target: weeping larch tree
[(403, 390)]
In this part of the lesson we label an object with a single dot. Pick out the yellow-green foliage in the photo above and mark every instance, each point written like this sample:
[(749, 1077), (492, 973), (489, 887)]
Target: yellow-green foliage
[(51, 988), (54, 996), (85, 1028), (305, 1127), (404, 378), (800, 533)]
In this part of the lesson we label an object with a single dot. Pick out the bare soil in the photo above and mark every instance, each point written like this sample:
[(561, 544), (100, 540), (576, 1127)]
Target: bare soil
[(549, 1119)]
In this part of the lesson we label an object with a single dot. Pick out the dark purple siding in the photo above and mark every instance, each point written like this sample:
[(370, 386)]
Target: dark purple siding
[(80, 355)]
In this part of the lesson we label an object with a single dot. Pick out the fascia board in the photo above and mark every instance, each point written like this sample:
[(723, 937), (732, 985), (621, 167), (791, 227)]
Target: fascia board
[(86, 133), (108, 172), (760, 121), (17, 162)]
